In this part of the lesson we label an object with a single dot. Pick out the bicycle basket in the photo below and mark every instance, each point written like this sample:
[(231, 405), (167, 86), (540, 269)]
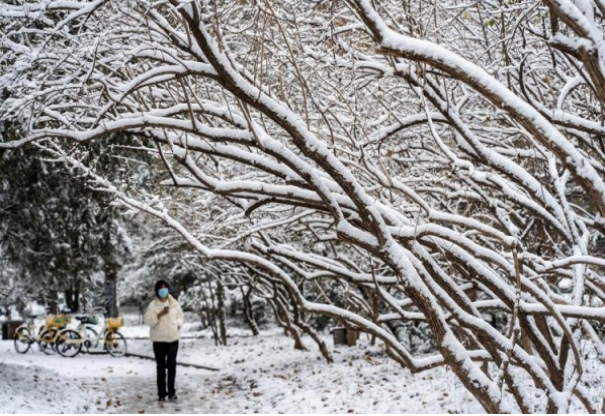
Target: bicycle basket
[(115, 323), (58, 321)]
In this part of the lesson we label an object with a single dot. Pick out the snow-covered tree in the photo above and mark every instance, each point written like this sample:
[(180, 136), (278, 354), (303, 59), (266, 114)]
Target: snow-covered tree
[(440, 161), (60, 235), (52, 225)]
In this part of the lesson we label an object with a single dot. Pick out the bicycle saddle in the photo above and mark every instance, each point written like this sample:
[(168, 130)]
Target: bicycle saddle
[(92, 320)]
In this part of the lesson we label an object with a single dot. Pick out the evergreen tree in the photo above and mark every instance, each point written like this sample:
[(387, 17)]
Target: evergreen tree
[(53, 226)]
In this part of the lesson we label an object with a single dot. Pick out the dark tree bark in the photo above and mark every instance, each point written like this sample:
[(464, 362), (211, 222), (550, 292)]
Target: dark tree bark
[(110, 300), (248, 314), (220, 294), (72, 298)]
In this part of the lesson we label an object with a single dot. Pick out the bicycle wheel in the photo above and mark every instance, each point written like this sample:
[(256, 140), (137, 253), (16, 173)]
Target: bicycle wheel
[(23, 340), (115, 344), (46, 341), (69, 343), (92, 338)]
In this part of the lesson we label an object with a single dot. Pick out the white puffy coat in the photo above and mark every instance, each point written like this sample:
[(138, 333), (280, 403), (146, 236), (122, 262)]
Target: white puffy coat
[(168, 327)]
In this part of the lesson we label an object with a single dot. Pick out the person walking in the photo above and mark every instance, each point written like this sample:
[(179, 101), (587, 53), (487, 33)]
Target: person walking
[(164, 316)]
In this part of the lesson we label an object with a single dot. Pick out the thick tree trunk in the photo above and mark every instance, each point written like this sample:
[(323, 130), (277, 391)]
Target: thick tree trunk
[(212, 323), (221, 313), (72, 298), (248, 314), (53, 305), (283, 319), (110, 300), (299, 321)]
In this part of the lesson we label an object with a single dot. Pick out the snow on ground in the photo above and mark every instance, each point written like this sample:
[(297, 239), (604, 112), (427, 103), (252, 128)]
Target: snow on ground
[(266, 375), (261, 374), (33, 389), (258, 374)]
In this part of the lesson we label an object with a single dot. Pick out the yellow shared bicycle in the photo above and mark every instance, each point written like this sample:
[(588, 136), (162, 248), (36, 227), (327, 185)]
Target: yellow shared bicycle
[(69, 342), (26, 334)]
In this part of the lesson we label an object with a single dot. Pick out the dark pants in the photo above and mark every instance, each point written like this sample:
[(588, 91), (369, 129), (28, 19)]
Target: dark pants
[(165, 358)]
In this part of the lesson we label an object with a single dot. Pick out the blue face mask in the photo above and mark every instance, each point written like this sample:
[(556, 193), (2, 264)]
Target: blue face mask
[(163, 292)]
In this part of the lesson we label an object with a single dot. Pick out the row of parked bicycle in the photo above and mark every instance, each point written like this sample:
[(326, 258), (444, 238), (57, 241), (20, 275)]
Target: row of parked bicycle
[(55, 337)]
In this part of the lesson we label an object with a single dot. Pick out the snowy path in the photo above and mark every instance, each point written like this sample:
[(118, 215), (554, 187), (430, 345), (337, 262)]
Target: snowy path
[(138, 395), (119, 385), (261, 374)]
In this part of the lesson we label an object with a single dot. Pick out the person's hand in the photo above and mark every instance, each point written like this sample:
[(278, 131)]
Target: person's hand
[(164, 312)]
